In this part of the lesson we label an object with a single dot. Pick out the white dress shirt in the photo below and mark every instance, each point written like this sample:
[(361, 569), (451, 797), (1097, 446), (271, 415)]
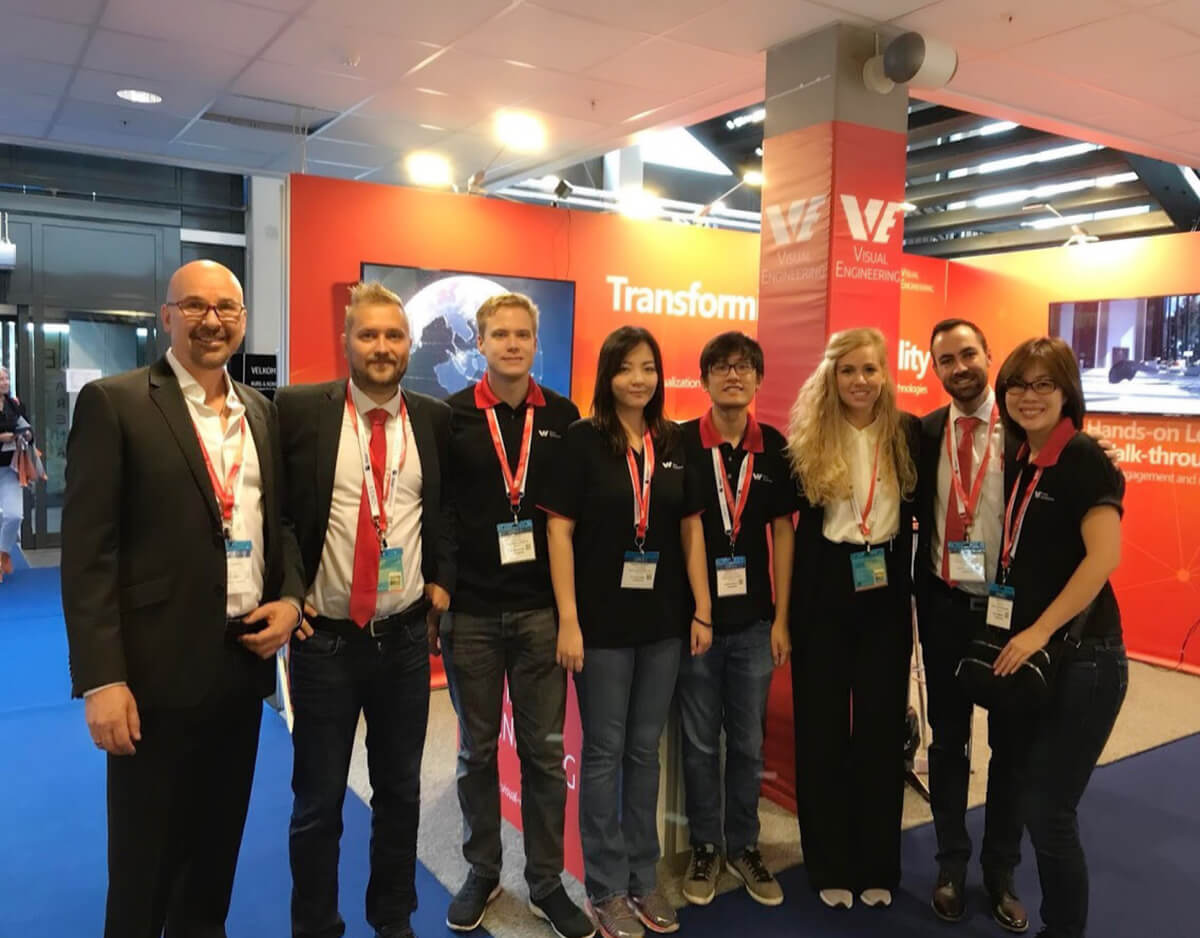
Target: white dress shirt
[(990, 510), (841, 518), (330, 592), (222, 447)]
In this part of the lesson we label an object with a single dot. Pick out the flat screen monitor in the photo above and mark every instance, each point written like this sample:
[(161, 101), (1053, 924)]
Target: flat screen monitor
[(441, 307), (1136, 356)]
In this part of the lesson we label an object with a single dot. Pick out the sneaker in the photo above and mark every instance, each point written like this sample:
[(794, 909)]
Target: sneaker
[(616, 919), (748, 866), (700, 884), (564, 916), (467, 908), (655, 911)]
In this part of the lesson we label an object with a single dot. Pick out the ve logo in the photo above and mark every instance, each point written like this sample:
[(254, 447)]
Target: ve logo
[(797, 225), (873, 223)]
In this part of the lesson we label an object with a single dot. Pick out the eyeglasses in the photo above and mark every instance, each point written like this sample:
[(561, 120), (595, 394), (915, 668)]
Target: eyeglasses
[(721, 369), (1039, 386), (194, 309)]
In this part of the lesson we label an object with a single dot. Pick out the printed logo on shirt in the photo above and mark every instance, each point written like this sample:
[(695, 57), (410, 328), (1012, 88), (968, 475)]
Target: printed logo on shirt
[(1044, 496), (762, 477), (552, 434), (671, 465)]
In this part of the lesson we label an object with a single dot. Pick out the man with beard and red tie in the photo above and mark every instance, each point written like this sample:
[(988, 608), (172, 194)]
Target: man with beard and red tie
[(363, 463)]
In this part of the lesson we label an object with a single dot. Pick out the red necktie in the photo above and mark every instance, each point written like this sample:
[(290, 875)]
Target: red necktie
[(365, 584), (955, 530)]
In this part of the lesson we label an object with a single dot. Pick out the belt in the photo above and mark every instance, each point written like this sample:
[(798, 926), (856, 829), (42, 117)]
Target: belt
[(375, 628), (970, 601)]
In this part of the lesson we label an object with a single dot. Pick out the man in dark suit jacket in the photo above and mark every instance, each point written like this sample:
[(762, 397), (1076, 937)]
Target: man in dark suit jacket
[(363, 462), (173, 564)]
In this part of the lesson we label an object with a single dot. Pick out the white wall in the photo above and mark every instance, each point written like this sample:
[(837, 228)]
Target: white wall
[(266, 247)]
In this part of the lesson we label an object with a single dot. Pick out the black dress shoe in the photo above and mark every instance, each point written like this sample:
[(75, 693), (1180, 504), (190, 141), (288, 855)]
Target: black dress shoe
[(948, 903), (1008, 912)]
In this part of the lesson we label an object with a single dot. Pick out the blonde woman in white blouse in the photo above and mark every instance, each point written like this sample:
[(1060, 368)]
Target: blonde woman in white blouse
[(853, 455)]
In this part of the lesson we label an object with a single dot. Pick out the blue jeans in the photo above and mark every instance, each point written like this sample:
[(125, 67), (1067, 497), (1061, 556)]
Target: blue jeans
[(624, 699), (479, 651), (1067, 742), (333, 680), (725, 687)]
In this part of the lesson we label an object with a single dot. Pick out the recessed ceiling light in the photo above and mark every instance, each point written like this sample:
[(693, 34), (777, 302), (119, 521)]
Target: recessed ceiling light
[(428, 169), (520, 132), (134, 96)]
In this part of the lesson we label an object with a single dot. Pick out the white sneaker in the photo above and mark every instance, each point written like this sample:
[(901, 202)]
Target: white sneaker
[(876, 898), (837, 897)]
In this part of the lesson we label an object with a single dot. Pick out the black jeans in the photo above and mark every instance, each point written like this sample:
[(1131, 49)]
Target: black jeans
[(333, 679), (947, 620), (479, 652), (1067, 742)]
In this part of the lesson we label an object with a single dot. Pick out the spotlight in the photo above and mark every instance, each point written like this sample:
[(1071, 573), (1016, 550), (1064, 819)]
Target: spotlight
[(911, 59), (563, 189)]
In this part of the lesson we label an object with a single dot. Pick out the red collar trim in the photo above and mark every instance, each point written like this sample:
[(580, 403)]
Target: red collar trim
[(485, 397), (752, 440), (1060, 436)]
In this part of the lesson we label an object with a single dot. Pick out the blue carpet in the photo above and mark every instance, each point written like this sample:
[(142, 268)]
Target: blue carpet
[(1141, 831), (52, 841)]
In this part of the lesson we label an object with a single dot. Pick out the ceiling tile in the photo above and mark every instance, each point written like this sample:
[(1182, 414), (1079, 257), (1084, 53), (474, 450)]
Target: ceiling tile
[(878, 11), (677, 68), (594, 100), (657, 17), (180, 100), (1159, 83), (488, 81), (354, 154), (560, 131), (83, 12), (550, 39), (328, 46), (448, 112), (42, 40), (748, 26), (42, 78), (119, 143), (237, 160), (303, 86), (1182, 13), (213, 24), (26, 110), (219, 133), (267, 111), (439, 23), (118, 121), (984, 24), (379, 132), (1121, 43), (337, 170), (159, 59)]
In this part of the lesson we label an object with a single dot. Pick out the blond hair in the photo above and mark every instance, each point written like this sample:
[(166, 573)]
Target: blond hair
[(816, 426), (493, 303), (370, 293)]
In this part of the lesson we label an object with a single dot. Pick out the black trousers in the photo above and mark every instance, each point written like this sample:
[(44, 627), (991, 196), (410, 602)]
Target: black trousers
[(849, 683), (947, 618), (176, 810)]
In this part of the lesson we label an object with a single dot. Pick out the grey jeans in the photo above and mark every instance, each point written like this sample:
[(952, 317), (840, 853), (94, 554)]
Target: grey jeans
[(479, 652)]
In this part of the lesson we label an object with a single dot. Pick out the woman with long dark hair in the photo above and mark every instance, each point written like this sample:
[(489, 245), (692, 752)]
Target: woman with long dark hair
[(852, 454), (13, 422), (1061, 543), (631, 585)]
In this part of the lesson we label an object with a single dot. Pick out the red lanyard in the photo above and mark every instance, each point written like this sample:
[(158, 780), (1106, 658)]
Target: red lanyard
[(227, 493), (641, 489), (864, 524), (515, 483), (379, 513), (732, 503), (967, 506), (1011, 535)]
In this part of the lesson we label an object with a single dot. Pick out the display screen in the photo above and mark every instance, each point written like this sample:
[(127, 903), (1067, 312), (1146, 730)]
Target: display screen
[(441, 306), (1136, 356)]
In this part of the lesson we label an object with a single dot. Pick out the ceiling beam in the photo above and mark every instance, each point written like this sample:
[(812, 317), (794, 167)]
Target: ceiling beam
[(1029, 238), (976, 185), (1166, 183)]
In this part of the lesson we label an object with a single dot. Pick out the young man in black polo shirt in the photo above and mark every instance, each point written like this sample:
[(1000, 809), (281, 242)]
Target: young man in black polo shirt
[(507, 435), (742, 466)]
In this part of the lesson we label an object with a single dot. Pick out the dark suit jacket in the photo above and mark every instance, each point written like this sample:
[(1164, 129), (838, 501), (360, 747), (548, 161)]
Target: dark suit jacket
[(809, 532), (933, 441), (143, 559), (310, 425)]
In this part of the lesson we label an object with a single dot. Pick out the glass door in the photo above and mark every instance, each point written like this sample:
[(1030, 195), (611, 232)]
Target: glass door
[(73, 347)]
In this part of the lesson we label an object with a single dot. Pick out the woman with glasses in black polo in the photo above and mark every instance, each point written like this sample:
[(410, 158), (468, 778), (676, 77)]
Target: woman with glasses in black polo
[(1061, 542)]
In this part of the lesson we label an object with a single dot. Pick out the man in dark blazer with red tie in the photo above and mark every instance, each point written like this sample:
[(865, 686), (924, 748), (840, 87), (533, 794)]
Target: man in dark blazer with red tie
[(174, 563), (363, 465)]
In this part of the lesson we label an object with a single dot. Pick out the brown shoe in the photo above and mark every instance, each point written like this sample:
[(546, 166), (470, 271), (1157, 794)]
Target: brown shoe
[(655, 912), (1009, 912), (948, 902)]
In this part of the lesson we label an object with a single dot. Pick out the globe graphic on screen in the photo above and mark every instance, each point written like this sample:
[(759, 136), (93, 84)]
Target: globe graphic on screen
[(445, 357)]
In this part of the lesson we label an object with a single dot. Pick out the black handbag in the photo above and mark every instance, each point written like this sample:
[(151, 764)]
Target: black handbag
[(1030, 687)]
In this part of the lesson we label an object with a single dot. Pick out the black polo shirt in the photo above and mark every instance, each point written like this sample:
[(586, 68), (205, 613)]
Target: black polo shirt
[(772, 495), (596, 492), (481, 501), (1076, 477)]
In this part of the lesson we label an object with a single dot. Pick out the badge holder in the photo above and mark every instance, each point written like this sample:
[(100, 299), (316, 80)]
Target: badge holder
[(731, 576), (391, 569), (239, 573), (967, 561), (516, 542), (639, 568), (869, 568), (1000, 606)]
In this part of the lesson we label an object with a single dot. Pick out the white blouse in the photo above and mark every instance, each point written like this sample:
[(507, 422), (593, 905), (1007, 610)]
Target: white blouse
[(841, 518)]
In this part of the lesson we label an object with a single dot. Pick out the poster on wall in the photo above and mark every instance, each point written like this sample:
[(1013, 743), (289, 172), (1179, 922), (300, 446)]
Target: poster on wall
[(441, 306), (1136, 356)]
